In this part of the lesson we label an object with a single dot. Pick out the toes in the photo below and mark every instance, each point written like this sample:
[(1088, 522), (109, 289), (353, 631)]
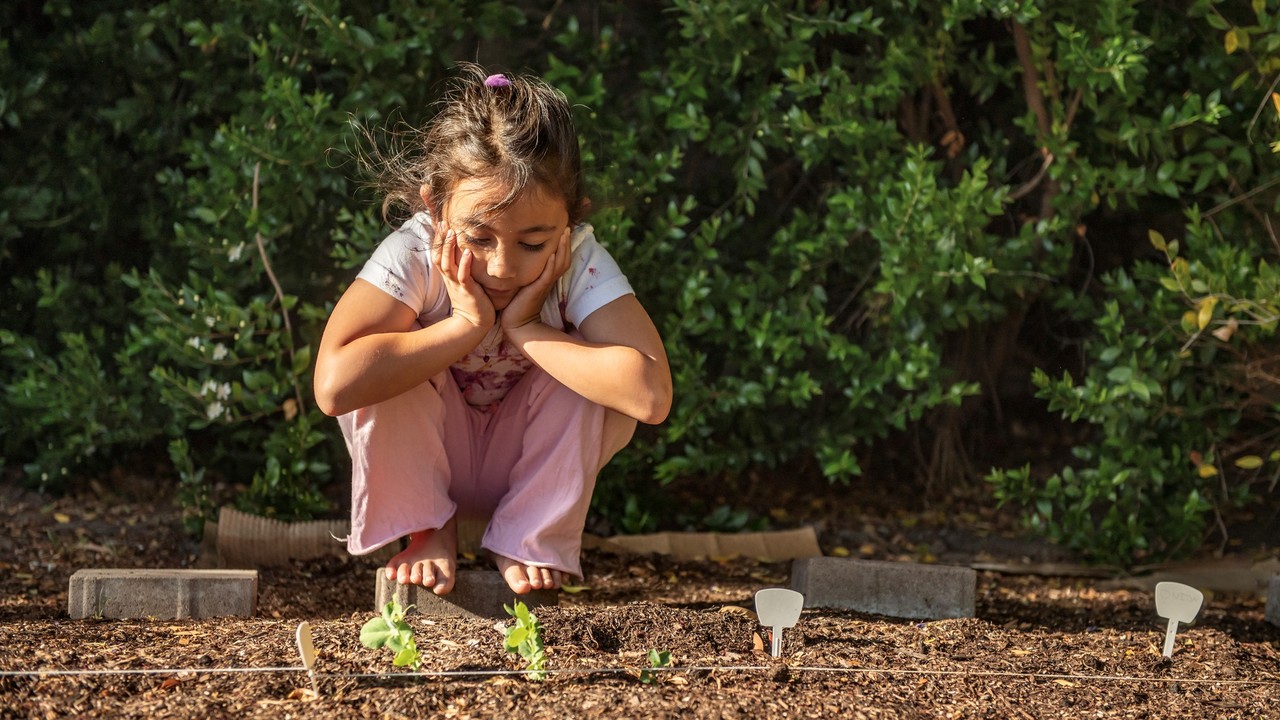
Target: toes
[(402, 574), (443, 583), (517, 579), (423, 574)]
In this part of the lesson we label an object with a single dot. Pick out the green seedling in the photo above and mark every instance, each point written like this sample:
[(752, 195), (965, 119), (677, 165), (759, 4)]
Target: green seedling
[(391, 631), (525, 639), (656, 660)]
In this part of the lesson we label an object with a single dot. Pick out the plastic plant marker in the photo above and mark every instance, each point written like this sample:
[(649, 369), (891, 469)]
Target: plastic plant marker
[(1177, 603), (778, 608), (308, 652)]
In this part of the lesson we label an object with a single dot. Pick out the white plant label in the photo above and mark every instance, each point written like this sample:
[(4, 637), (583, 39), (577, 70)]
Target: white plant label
[(778, 608), (1177, 603), (308, 652)]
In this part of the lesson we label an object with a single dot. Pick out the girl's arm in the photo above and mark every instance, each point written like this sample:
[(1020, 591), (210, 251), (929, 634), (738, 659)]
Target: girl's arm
[(621, 364), (371, 352)]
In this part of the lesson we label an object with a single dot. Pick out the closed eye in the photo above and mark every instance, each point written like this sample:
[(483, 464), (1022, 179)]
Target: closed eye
[(534, 247), (477, 241)]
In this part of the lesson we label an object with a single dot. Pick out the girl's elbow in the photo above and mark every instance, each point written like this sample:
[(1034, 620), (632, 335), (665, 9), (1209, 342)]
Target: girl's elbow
[(327, 397), (655, 416), (656, 408)]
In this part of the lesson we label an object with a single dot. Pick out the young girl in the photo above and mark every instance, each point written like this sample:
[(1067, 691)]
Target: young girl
[(490, 358)]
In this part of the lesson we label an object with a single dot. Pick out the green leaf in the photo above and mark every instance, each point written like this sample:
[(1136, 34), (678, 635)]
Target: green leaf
[(1157, 240), (406, 657), (375, 633), (1120, 375), (1249, 462), (516, 636)]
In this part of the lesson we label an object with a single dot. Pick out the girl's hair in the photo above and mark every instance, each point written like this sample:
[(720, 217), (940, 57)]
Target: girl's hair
[(509, 131)]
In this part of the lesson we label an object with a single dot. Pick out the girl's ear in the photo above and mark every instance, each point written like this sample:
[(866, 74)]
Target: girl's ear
[(424, 191), (584, 208)]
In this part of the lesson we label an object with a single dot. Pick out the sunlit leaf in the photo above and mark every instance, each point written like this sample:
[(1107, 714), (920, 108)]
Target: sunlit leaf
[(1232, 41), (1207, 470), (1249, 462), (375, 633), (1225, 332), (1157, 240), (1205, 314)]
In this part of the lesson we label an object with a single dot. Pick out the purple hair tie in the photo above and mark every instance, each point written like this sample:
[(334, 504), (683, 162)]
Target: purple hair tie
[(497, 81)]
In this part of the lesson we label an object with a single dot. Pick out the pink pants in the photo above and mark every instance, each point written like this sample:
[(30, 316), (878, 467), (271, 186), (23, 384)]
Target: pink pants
[(529, 465)]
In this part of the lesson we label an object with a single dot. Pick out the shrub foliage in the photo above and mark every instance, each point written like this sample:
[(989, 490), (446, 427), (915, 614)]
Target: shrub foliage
[(864, 232)]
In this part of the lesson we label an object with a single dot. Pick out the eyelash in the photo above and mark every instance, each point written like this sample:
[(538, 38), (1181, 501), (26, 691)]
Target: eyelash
[(486, 242)]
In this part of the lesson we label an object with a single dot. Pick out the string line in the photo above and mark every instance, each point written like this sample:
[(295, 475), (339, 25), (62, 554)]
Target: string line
[(426, 674)]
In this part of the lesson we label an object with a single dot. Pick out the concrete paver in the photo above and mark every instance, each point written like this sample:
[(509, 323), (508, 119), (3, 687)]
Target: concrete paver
[(476, 593), (167, 594), (895, 589)]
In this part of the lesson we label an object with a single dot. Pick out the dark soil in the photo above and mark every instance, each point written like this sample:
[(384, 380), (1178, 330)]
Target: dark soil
[(1040, 647)]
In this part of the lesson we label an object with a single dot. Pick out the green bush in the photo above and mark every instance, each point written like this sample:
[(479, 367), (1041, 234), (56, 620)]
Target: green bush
[(1180, 392), (858, 230)]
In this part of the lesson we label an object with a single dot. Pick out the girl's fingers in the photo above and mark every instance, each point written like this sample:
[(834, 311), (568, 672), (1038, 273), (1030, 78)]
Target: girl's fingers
[(464, 266), (445, 260), (560, 260), (564, 253)]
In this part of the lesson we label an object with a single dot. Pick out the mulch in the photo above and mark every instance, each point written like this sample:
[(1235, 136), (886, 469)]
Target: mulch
[(1039, 646)]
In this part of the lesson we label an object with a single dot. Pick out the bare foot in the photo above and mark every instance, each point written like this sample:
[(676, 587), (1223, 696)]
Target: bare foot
[(525, 578), (431, 560)]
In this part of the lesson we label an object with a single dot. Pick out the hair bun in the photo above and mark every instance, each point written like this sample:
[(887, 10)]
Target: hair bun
[(497, 81)]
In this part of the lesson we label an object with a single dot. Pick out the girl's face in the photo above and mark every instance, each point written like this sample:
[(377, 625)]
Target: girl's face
[(511, 247)]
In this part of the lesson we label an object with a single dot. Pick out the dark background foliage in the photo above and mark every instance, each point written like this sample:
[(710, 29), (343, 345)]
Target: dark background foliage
[(908, 242)]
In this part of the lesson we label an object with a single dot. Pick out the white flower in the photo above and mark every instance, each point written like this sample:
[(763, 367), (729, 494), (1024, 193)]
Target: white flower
[(194, 342), (214, 410), (234, 253), (224, 391), (219, 351), (208, 387), (208, 320)]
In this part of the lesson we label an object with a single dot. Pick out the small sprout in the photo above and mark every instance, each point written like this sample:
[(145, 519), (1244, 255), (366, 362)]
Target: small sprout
[(391, 631), (656, 660), (525, 639)]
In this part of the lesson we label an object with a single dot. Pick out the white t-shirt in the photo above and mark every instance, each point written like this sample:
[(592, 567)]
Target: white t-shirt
[(402, 267)]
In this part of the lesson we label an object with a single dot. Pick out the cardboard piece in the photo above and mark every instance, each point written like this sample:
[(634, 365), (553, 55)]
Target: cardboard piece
[(1226, 575), (242, 540), (769, 546)]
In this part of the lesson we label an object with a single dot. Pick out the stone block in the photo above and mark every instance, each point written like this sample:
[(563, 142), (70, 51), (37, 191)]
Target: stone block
[(162, 594), (895, 589), (476, 593)]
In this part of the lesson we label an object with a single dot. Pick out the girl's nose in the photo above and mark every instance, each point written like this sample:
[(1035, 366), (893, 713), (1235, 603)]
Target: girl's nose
[(498, 267)]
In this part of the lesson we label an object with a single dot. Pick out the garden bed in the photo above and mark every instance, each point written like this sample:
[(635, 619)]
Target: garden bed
[(1039, 646)]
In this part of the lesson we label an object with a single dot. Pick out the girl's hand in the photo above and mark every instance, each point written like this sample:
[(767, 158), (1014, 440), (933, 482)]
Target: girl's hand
[(526, 306), (468, 299)]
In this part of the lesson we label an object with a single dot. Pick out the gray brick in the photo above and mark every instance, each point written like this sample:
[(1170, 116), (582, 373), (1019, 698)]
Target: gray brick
[(476, 593), (1273, 601), (162, 594), (904, 590)]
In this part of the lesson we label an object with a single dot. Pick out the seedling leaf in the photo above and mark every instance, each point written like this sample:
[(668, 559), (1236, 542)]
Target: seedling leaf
[(375, 633)]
